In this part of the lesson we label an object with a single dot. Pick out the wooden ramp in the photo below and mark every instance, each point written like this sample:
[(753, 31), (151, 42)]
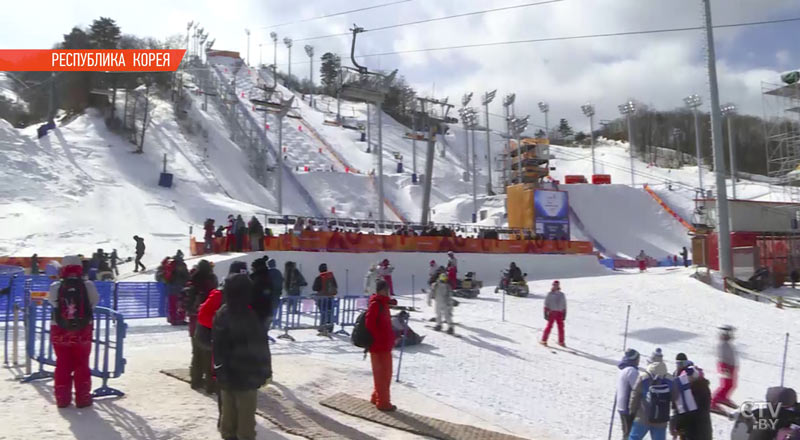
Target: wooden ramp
[(290, 414), (410, 422)]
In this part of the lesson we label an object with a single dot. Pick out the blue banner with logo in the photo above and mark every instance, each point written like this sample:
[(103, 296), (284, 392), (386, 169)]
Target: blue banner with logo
[(551, 211)]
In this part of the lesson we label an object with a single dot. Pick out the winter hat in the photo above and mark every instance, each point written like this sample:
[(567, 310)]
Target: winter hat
[(272, 263), (629, 359), (204, 266), (258, 265), (681, 361), (656, 356), (237, 291), (323, 267), (72, 267), (432, 263), (237, 267), (385, 262), (556, 284)]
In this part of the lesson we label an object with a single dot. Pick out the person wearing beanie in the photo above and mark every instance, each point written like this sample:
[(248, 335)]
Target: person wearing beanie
[(202, 368), (325, 289), (73, 300), (629, 372), (378, 320), (555, 311), (651, 399), (202, 281), (275, 283), (139, 253), (385, 273), (443, 296), (241, 359), (433, 272), (727, 368), (692, 419)]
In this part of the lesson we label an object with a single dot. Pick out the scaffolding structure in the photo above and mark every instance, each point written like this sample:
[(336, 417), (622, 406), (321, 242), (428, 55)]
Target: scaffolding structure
[(782, 131)]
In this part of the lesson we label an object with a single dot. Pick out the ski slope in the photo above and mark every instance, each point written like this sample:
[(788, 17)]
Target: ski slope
[(81, 188), (494, 376)]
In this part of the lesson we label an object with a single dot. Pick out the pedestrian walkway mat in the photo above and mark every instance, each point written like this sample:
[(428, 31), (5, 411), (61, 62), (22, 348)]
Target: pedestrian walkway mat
[(410, 422), (290, 414)]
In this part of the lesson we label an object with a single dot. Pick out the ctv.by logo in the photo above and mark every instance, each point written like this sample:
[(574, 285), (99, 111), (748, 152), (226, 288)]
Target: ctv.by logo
[(764, 414)]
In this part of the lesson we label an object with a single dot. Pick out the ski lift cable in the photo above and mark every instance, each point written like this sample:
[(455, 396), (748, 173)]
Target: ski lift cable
[(336, 14), (430, 20)]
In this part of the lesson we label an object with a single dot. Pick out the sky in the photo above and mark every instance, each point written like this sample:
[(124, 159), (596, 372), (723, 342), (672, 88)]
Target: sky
[(654, 69)]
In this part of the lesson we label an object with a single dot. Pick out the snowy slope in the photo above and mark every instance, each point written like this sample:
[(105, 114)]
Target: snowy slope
[(494, 376), (80, 188)]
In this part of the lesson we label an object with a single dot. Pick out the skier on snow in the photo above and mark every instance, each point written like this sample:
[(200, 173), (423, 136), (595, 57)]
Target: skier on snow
[(629, 372), (443, 295), (385, 273), (555, 311), (726, 365), (371, 279)]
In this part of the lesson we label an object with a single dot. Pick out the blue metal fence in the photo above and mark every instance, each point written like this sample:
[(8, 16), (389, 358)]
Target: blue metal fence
[(308, 312), (107, 360)]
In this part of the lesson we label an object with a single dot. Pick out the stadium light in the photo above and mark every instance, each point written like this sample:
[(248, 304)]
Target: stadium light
[(274, 37), (693, 101), (288, 42), (545, 108), (310, 52), (487, 98), (588, 110), (729, 111), (247, 31), (627, 110)]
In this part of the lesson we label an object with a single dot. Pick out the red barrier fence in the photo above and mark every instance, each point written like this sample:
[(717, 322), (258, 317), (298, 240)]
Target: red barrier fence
[(319, 241)]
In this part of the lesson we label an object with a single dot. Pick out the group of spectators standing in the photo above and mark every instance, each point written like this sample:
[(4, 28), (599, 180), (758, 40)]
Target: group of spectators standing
[(239, 236), (653, 400)]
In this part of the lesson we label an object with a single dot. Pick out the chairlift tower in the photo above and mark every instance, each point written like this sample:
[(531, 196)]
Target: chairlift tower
[(360, 85), (487, 99), (280, 108), (435, 124)]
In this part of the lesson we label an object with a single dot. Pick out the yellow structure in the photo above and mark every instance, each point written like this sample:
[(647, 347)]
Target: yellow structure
[(519, 205)]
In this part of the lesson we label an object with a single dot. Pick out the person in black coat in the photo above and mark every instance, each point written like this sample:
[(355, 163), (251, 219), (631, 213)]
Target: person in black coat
[(139, 253), (241, 358), (685, 257)]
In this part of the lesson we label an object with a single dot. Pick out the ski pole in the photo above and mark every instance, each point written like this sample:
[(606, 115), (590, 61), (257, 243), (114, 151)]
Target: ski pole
[(785, 349), (402, 348), (624, 347), (413, 297)]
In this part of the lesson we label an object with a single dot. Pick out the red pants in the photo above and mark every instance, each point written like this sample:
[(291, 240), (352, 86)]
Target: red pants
[(230, 242), (388, 279), (558, 318), (642, 265), (176, 314), (382, 376), (726, 385), (72, 364)]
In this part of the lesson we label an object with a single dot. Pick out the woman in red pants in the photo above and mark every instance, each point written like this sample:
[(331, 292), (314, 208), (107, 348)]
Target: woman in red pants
[(379, 324), (73, 300)]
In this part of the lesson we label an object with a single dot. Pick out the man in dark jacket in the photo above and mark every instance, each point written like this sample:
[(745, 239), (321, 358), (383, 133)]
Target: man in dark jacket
[(379, 323), (325, 289), (241, 359), (240, 232), (685, 257), (692, 419), (256, 233), (179, 275), (202, 280), (139, 253), (275, 279), (35, 264)]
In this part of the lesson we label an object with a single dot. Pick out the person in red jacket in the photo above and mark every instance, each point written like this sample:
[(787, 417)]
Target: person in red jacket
[(379, 324)]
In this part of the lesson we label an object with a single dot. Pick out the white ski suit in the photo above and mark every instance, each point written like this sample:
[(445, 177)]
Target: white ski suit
[(443, 295), (370, 281)]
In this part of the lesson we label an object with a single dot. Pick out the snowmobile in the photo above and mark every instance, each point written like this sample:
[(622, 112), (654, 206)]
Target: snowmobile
[(469, 287), (770, 420), (513, 288)]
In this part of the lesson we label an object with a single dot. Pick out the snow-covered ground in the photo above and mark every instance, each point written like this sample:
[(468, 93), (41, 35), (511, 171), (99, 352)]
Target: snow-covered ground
[(494, 375)]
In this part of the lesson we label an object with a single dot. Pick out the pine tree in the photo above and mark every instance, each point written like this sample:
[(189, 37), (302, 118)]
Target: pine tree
[(563, 128), (104, 33), (76, 39), (329, 71)]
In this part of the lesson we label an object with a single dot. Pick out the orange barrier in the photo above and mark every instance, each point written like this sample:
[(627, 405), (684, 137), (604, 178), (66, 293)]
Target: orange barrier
[(26, 261), (668, 209), (319, 241)]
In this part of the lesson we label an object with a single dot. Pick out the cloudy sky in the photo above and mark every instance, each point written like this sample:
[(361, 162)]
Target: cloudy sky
[(656, 69)]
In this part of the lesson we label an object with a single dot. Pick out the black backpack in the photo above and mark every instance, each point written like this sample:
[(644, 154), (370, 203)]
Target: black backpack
[(361, 336), (658, 396), (74, 310)]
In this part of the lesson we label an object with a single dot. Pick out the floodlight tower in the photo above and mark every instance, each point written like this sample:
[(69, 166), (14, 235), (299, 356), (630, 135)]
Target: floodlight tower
[(288, 42), (729, 111), (471, 117), (508, 101), (247, 31), (693, 101), (465, 100), (488, 97), (545, 108), (588, 110), (310, 52), (274, 37), (627, 110)]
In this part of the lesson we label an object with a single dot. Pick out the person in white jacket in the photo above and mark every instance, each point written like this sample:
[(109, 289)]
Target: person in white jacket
[(629, 372), (371, 279), (555, 312), (443, 295)]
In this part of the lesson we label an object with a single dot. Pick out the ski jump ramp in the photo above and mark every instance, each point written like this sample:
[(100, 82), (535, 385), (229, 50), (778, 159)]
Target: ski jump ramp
[(621, 221)]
